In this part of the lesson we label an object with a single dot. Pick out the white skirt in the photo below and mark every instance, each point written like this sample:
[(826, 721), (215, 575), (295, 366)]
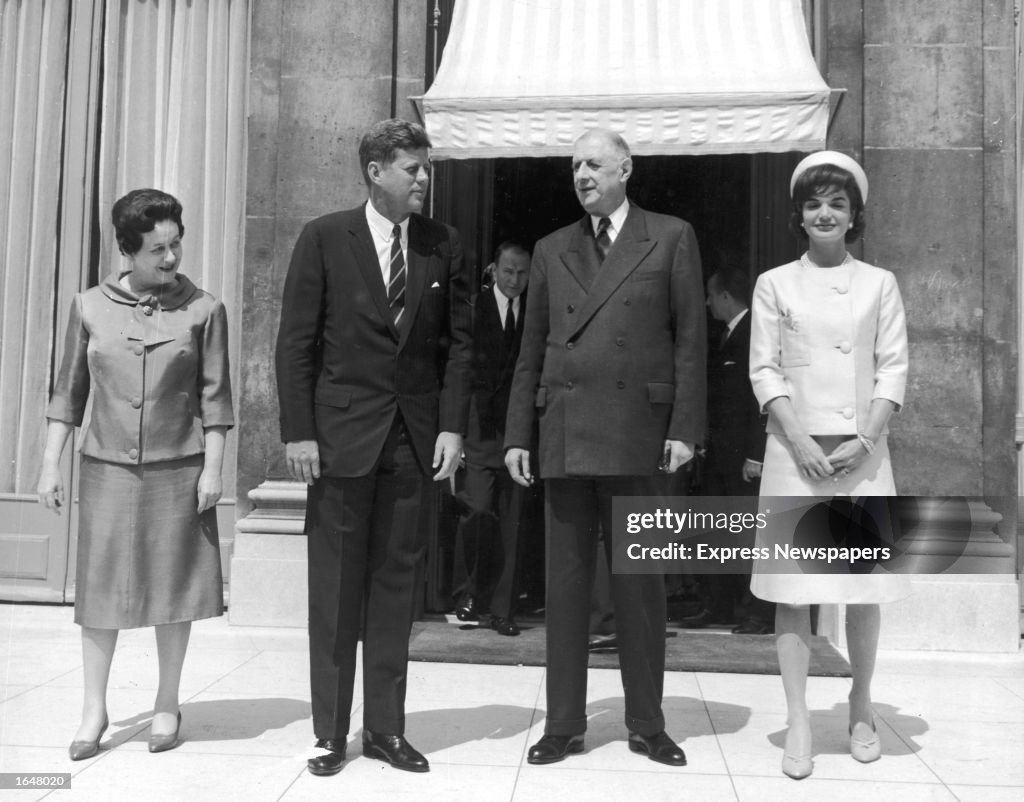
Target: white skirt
[(781, 477)]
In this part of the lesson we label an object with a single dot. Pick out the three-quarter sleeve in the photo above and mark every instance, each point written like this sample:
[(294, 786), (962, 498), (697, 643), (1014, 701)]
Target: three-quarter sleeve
[(891, 351), (215, 371), (766, 375), (71, 391)]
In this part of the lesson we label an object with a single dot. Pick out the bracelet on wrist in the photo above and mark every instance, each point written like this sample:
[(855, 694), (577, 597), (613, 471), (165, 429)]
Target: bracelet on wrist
[(867, 442)]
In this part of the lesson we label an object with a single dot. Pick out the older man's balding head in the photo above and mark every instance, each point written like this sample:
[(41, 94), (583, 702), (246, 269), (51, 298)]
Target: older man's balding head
[(601, 166)]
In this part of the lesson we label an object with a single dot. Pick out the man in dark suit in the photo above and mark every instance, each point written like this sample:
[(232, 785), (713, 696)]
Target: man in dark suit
[(372, 374), (492, 502), (735, 444), (612, 362)]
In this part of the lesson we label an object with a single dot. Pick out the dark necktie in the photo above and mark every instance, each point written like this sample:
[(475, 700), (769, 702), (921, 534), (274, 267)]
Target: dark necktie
[(603, 240), (724, 338), (510, 327), (396, 286)]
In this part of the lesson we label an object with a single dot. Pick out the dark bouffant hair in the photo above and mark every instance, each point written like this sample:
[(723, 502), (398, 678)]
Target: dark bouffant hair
[(384, 138), (818, 180), (138, 212)]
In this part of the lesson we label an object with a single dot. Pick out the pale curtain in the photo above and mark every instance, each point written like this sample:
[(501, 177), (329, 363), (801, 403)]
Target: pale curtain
[(33, 54), (98, 97)]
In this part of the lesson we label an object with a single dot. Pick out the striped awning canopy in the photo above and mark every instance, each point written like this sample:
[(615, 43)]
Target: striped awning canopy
[(526, 77)]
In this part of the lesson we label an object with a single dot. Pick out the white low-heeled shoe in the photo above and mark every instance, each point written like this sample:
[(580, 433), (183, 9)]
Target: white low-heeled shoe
[(797, 767), (865, 750)]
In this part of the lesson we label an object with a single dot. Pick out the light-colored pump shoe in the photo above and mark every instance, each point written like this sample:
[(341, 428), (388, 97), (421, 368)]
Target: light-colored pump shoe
[(797, 766), (865, 746)]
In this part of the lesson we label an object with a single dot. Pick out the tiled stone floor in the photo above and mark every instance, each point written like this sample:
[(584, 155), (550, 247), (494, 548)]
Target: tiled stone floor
[(952, 727)]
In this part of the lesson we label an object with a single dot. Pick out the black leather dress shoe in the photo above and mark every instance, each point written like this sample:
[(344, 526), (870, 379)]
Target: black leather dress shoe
[(659, 748), (393, 749), (504, 626), (752, 626), (552, 748), (326, 765), (467, 608), (603, 643)]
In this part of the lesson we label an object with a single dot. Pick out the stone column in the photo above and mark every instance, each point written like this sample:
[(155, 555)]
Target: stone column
[(321, 73)]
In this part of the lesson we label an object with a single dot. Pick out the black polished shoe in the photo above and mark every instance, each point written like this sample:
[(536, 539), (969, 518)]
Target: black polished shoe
[(393, 749), (326, 765), (467, 608), (659, 748), (504, 626), (751, 626), (163, 743), (553, 748), (82, 750), (603, 643)]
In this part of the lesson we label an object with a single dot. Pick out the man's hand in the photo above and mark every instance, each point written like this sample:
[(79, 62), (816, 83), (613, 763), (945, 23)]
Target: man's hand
[(447, 453), (751, 470), (677, 453), (517, 460), (303, 458)]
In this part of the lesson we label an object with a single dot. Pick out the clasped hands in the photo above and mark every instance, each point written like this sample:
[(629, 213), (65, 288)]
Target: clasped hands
[(814, 463)]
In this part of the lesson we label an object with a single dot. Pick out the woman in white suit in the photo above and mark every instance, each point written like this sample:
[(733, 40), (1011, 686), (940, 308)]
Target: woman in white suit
[(828, 361)]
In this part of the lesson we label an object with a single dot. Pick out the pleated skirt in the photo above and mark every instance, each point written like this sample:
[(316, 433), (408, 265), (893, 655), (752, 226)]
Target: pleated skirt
[(145, 557), (781, 477)]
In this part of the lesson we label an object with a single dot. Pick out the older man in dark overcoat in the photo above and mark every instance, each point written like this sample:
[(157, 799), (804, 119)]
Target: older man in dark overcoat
[(613, 364)]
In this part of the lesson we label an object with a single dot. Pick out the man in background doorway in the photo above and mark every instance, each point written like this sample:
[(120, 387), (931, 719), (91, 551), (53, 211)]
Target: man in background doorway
[(735, 447), (492, 503)]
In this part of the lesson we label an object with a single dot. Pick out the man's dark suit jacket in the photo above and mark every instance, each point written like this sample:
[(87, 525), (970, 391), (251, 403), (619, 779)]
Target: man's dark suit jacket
[(344, 368), (613, 371), (734, 417), (493, 366)]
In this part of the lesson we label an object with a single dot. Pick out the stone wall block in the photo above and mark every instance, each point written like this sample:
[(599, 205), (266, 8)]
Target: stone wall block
[(322, 120), (339, 39), (922, 97), (921, 22), (925, 223), (1000, 115), (998, 23)]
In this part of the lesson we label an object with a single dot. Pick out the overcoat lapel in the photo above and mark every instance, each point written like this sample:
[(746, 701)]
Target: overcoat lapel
[(629, 250), (366, 258)]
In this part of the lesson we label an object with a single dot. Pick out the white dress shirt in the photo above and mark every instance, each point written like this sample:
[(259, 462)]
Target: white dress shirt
[(382, 231)]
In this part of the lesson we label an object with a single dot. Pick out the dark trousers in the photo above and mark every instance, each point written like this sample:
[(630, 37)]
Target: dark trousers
[(723, 476), (489, 530), (577, 510), (365, 539)]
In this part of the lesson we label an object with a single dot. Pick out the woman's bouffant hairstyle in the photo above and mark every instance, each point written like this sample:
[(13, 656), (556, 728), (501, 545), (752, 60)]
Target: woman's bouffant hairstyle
[(818, 180), (138, 212)]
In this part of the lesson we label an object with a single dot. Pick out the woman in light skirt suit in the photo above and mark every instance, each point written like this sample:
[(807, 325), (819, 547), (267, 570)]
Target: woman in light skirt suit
[(150, 350), (828, 361)]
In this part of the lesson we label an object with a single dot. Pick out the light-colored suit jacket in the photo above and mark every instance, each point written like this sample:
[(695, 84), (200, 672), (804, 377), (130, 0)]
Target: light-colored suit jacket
[(613, 365), (831, 339)]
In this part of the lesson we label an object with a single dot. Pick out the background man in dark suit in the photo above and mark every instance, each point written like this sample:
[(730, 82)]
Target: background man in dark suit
[(372, 363), (612, 362), (493, 503), (735, 444)]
